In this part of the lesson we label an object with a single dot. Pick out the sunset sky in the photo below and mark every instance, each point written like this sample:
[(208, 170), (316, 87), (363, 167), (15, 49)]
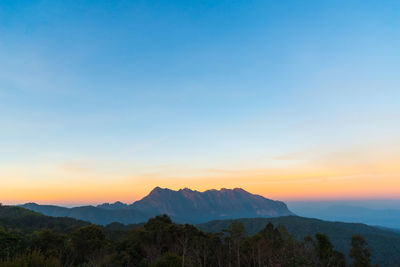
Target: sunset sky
[(104, 100)]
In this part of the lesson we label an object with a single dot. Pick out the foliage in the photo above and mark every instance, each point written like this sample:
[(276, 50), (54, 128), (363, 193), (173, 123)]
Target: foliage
[(168, 260), (87, 243), (384, 244), (161, 242), (33, 259), (360, 252)]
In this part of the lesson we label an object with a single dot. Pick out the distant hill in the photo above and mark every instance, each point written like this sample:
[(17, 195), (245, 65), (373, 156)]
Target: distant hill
[(385, 244), (91, 214), (349, 213), (185, 206), (18, 218)]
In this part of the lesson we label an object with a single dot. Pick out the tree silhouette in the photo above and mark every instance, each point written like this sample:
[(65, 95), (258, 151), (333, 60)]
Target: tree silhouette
[(360, 252), (237, 233)]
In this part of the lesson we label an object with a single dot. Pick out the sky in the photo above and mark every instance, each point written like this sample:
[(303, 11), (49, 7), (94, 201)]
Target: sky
[(294, 100)]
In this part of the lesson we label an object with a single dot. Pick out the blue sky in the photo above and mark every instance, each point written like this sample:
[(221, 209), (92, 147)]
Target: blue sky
[(196, 85)]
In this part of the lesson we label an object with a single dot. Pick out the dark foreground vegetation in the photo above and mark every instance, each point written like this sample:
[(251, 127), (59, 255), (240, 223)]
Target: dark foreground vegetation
[(384, 243), (31, 239)]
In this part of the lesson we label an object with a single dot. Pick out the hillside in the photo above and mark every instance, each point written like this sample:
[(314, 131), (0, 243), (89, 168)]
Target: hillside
[(91, 214), (384, 243), (20, 219)]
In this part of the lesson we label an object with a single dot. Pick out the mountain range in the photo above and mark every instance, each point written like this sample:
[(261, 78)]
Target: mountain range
[(184, 206)]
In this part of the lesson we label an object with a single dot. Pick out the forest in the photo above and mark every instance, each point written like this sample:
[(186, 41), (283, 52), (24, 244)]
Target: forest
[(31, 239)]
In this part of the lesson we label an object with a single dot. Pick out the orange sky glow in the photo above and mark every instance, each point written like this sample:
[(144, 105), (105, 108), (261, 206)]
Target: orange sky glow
[(366, 177)]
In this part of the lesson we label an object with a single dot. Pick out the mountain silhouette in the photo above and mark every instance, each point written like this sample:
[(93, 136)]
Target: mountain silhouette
[(195, 206), (184, 206)]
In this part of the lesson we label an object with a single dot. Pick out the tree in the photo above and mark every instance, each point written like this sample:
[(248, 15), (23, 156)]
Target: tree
[(159, 237), (87, 242), (324, 249), (338, 259), (322, 252), (48, 243), (10, 244), (237, 233), (360, 252), (154, 224), (186, 232)]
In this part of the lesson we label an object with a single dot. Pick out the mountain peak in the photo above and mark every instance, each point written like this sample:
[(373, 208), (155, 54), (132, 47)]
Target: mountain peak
[(186, 189), (238, 189), (115, 205), (157, 190)]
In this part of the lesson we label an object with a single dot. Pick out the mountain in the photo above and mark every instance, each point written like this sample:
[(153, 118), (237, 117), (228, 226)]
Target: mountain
[(184, 206), (384, 244), (349, 213), (187, 205)]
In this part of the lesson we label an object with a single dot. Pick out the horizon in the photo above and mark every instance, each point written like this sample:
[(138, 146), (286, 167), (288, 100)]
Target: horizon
[(294, 101), (355, 202)]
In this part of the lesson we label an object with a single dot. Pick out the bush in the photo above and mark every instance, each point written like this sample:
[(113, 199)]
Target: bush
[(168, 260), (34, 259)]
